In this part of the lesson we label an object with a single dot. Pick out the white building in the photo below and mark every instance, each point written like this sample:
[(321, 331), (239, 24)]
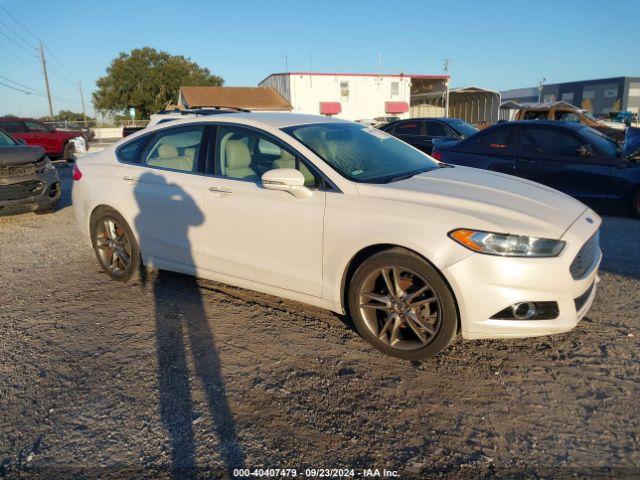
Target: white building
[(356, 96)]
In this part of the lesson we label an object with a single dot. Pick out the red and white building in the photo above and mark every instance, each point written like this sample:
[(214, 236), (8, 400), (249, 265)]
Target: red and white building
[(356, 96)]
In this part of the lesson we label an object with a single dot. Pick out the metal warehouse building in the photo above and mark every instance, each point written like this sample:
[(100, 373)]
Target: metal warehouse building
[(600, 96)]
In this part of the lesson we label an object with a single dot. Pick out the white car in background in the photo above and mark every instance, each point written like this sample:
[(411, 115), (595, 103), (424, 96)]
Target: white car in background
[(346, 217)]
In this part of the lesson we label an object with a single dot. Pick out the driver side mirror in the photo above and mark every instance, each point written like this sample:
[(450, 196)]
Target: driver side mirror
[(286, 180), (585, 150)]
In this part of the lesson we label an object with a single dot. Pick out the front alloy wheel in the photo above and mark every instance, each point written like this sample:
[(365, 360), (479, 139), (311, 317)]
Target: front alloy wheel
[(402, 305)]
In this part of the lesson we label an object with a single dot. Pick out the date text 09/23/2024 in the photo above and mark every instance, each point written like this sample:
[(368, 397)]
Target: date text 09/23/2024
[(315, 473)]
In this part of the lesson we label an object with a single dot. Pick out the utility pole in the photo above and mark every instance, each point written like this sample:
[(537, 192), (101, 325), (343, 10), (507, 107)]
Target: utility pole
[(540, 85), (446, 95), (84, 111), (46, 79)]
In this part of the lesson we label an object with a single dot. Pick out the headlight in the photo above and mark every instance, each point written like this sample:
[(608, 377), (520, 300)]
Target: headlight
[(47, 166), (507, 245)]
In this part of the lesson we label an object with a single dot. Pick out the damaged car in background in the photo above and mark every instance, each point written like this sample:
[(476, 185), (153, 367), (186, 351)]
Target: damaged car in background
[(28, 179)]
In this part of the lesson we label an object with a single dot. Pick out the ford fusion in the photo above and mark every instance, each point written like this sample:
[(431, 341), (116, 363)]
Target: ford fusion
[(345, 217)]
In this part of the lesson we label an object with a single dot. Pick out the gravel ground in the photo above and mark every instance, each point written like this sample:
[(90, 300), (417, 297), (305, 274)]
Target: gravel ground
[(173, 377)]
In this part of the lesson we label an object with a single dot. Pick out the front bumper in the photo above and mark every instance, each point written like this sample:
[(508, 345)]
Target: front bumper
[(485, 285), (29, 193)]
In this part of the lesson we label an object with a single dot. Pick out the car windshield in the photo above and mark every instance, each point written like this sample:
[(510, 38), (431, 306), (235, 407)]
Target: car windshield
[(362, 154), (463, 127), (6, 140), (601, 141)]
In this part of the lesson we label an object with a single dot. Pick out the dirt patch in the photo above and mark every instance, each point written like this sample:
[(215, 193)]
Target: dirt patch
[(192, 379)]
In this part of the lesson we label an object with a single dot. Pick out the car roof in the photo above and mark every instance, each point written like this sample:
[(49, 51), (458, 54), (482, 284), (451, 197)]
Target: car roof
[(267, 119), (549, 123)]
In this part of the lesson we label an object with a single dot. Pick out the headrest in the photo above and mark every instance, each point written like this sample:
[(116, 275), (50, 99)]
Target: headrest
[(167, 151), (237, 154)]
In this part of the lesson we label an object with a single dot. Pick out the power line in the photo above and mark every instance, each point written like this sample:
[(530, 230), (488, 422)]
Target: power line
[(18, 44), (19, 23), (16, 89), (20, 58), (72, 76), (21, 85), (17, 35)]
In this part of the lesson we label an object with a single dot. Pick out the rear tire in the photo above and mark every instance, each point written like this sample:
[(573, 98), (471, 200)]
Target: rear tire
[(115, 245), (402, 306)]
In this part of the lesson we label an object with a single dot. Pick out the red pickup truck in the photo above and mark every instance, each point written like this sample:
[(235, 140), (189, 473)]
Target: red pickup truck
[(56, 143)]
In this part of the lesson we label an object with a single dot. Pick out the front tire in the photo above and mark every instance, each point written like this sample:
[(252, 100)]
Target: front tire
[(115, 245), (402, 305)]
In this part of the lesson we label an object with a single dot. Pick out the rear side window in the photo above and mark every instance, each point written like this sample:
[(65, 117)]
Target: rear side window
[(545, 141), (130, 151), (12, 127), (408, 128), (36, 127), (176, 149), (498, 140)]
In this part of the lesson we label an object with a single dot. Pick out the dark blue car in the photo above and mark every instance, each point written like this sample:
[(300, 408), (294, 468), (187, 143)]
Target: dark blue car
[(569, 157)]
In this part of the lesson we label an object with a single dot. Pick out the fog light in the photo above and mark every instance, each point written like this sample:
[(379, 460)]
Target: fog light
[(529, 311), (524, 310)]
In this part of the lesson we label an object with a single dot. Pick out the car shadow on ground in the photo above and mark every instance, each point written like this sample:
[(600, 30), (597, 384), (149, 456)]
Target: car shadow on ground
[(182, 327)]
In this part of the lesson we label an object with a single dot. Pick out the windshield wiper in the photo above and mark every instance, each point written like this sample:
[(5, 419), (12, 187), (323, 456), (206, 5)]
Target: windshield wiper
[(404, 176)]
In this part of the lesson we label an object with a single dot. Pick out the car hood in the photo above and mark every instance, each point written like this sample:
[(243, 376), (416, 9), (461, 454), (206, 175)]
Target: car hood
[(504, 203), (19, 155), (632, 142)]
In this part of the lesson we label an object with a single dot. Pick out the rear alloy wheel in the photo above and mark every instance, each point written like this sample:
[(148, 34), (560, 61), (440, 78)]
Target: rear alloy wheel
[(115, 245), (402, 306)]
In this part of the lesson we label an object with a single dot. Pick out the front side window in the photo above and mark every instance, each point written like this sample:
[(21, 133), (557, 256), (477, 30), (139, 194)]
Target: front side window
[(545, 141), (12, 127), (175, 149), (6, 140), (409, 128), (37, 127), (360, 153), (243, 154), (498, 140), (437, 129)]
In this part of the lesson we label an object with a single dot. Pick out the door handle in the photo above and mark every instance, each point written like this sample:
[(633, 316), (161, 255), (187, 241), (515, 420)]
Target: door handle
[(220, 190), (528, 161), (130, 179)]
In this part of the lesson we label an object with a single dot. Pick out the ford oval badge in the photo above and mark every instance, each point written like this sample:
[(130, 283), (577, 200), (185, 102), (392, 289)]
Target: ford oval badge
[(589, 220)]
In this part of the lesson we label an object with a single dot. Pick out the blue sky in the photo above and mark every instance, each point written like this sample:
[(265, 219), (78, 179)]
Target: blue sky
[(495, 44)]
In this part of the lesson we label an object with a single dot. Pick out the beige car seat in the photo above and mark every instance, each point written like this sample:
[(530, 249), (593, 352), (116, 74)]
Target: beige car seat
[(287, 160), (237, 161), (168, 157)]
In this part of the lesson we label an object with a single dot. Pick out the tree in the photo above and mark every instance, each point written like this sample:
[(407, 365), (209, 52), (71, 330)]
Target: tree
[(66, 115), (147, 80)]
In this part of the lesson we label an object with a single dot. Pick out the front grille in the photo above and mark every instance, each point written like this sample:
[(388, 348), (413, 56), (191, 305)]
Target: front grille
[(586, 257), (21, 170), (21, 191), (582, 299)]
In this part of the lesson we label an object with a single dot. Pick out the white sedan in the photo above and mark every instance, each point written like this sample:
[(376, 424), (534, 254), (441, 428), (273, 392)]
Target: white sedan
[(342, 216)]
